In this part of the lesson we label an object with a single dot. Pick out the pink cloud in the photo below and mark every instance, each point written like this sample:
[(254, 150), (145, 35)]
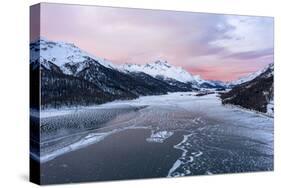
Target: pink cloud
[(140, 36)]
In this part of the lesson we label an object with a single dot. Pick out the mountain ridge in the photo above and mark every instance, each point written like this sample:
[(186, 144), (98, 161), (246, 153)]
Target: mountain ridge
[(63, 70), (64, 64), (162, 69)]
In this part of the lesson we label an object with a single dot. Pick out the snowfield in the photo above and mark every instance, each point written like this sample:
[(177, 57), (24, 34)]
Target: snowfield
[(167, 71), (61, 53), (160, 68), (215, 138)]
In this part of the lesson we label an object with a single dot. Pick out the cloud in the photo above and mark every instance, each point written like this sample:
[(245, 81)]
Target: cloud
[(251, 54), (251, 33), (190, 40)]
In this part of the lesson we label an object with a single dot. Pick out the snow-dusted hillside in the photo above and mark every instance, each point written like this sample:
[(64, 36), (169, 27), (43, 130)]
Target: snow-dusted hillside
[(256, 94), (62, 54), (62, 62), (250, 76), (160, 68), (71, 76), (166, 71), (71, 60)]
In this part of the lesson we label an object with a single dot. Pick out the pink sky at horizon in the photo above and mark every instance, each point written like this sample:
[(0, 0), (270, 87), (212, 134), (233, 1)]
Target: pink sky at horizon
[(214, 46)]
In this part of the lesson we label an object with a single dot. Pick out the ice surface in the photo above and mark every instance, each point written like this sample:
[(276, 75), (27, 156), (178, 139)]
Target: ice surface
[(186, 158), (207, 125), (87, 140), (159, 136), (90, 139)]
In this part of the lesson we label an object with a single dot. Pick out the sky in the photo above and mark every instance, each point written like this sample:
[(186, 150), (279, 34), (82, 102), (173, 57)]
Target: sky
[(214, 46)]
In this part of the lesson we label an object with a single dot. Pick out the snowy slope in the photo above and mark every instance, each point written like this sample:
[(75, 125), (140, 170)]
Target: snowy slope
[(62, 54), (72, 60), (167, 71), (256, 94), (208, 83), (250, 76), (160, 68)]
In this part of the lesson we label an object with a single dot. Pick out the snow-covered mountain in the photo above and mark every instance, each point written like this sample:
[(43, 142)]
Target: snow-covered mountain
[(209, 84), (256, 94), (71, 60), (250, 76), (160, 68), (70, 76), (64, 55), (168, 72)]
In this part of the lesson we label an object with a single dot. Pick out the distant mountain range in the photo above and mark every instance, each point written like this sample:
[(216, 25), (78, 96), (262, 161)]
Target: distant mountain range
[(169, 73), (71, 76)]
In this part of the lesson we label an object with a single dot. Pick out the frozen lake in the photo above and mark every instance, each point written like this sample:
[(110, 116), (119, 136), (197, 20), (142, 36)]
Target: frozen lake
[(172, 135)]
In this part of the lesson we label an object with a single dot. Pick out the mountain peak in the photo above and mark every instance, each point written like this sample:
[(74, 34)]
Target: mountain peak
[(161, 68), (63, 54), (71, 59), (161, 63)]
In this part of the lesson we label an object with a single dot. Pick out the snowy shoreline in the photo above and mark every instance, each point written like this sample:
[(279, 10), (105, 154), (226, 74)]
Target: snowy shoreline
[(268, 115), (50, 112)]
